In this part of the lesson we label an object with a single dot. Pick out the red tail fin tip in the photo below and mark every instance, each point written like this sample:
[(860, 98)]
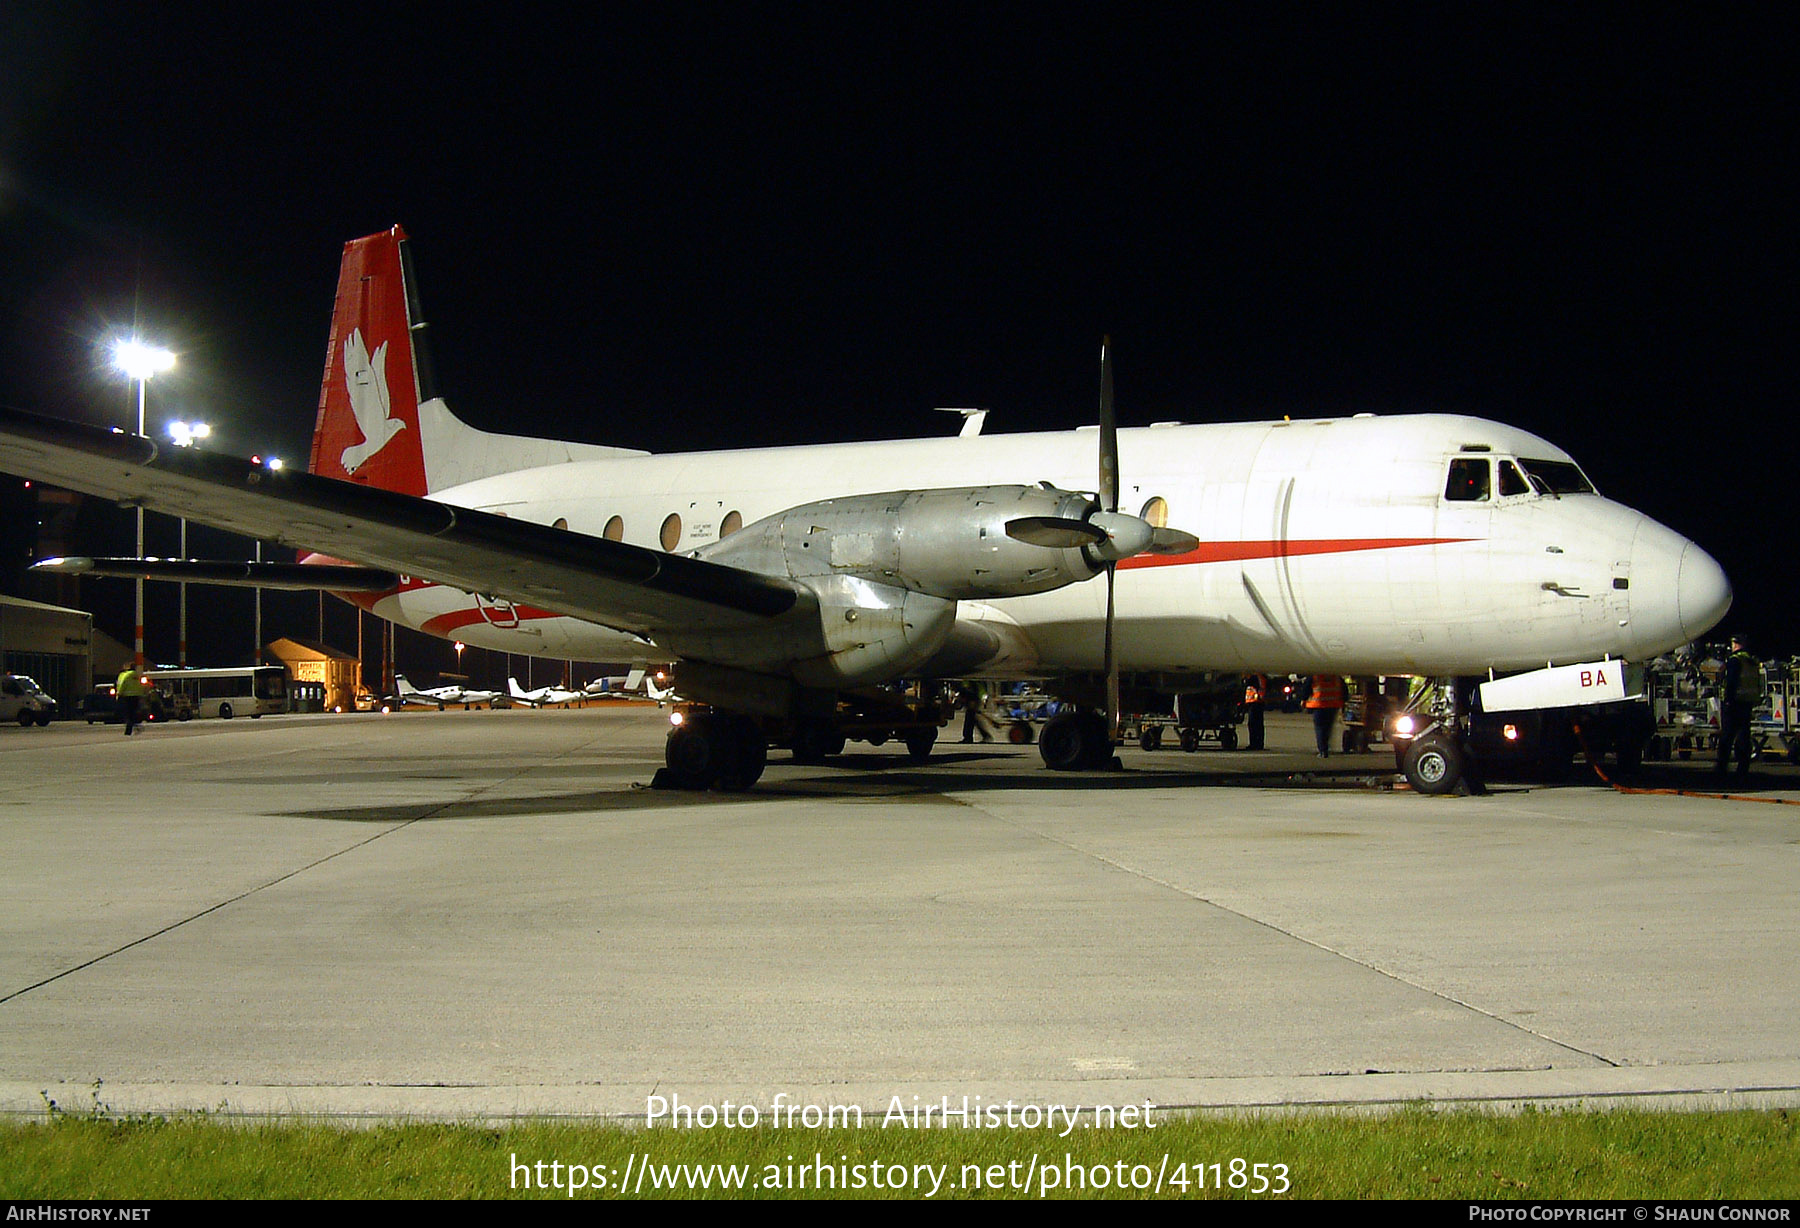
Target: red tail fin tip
[(368, 424)]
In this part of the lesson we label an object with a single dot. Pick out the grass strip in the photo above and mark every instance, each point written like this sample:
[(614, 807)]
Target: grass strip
[(1416, 1153)]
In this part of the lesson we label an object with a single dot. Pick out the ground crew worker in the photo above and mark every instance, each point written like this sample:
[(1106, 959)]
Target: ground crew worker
[(1256, 689), (975, 721), (130, 690), (1325, 702), (1740, 690)]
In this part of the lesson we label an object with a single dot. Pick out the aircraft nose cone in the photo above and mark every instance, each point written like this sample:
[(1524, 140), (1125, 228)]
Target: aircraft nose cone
[(1678, 593), (1703, 594)]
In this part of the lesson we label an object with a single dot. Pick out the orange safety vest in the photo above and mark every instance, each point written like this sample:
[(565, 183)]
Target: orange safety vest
[(1254, 685), (1327, 692)]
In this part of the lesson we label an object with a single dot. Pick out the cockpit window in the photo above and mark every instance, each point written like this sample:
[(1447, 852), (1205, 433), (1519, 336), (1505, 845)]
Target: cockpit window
[(1550, 477), (1468, 480), (1510, 481)]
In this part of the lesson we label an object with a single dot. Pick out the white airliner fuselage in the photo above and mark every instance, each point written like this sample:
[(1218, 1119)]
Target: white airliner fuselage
[(1417, 544), (789, 586)]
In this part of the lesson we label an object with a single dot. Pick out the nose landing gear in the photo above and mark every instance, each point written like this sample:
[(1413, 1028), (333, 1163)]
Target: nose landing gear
[(1435, 762)]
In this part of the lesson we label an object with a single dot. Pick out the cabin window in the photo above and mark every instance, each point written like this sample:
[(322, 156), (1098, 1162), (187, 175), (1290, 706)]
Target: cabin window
[(561, 522), (614, 530), (671, 532), (1469, 481), (731, 524), (1156, 512), (1511, 483)]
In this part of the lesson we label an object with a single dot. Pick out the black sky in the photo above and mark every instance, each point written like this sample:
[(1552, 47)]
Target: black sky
[(671, 227)]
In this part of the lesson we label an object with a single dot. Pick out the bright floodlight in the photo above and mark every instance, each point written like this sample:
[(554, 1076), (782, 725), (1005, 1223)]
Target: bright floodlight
[(274, 462), (141, 361), (187, 434)]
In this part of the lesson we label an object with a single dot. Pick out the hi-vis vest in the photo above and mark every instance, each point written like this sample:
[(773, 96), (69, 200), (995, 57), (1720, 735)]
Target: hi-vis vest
[(1327, 692)]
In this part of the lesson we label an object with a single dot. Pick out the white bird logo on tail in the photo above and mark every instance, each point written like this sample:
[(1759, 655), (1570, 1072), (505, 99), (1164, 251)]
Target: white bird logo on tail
[(366, 380)]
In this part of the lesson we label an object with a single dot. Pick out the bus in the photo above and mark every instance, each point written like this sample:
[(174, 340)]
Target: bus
[(239, 690)]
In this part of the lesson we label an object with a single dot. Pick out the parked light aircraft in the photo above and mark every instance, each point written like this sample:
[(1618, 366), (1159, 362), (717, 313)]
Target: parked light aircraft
[(647, 683), (441, 697), (615, 684), (542, 696), (789, 585)]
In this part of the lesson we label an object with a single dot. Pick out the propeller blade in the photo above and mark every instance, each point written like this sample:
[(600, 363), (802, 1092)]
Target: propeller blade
[(1056, 532), (1173, 541), (1109, 433), (1126, 535), (1112, 666)]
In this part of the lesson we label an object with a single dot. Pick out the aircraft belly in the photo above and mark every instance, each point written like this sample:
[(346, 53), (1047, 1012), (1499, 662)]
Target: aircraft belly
[(448, 613)]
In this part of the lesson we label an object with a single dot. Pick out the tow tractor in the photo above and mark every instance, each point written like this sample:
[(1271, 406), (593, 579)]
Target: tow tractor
[(1452, 731)]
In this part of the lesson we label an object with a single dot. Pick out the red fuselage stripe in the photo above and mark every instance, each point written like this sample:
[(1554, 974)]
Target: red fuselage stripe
[(1229, 552)]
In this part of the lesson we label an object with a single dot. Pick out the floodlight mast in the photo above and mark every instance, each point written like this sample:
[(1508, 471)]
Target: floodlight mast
[(185, 435), (140, 362)]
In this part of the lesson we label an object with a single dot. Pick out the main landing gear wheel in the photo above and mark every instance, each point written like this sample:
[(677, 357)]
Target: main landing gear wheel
[(716, 749), (1434, 765), (1075, 741), (919, 743)]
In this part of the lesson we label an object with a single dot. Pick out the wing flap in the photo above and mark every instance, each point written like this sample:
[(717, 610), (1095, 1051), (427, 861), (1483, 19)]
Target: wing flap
[(611, 583), (335, 577)]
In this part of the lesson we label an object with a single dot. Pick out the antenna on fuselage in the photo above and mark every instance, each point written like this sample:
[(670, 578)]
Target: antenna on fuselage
[(972, 419)]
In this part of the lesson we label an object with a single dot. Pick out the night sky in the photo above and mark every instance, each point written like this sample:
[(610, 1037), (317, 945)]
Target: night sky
[(665, 228)]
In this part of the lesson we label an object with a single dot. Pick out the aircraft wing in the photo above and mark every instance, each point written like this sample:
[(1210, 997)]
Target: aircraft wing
[(611, 583)]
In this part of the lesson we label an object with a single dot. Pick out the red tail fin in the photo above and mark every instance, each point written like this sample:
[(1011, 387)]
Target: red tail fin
[(368, 425)]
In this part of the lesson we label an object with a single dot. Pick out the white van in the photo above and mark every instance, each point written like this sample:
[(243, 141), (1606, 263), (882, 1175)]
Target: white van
[(24, 701)]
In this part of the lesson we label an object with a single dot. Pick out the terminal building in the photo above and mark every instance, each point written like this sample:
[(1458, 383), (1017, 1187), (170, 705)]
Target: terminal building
[(319, 675), (51, 644)]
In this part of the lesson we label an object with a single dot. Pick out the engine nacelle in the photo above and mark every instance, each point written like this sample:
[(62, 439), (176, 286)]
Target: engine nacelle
[(873, 632), (852, 633), (949, 543)]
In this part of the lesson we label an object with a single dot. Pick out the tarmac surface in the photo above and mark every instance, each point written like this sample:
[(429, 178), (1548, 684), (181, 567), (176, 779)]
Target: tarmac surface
[(487, 914)]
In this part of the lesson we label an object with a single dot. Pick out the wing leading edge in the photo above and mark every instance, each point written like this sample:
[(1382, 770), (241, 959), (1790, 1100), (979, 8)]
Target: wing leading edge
[(626, 587)]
